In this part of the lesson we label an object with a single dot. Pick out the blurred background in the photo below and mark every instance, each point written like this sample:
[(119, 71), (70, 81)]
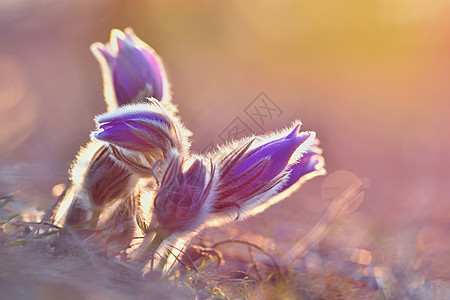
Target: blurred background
[(370, 77)]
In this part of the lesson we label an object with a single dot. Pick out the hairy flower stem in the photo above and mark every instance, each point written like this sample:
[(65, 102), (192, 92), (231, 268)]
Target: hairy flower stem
[(154, 245), (149, 247)]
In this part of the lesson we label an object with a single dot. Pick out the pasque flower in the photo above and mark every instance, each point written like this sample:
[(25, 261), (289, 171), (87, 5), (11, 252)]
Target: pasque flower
[(132, 70), (181, 205), (253, 170), (184, 197), (138, 170), (139, 134), (251, 175)]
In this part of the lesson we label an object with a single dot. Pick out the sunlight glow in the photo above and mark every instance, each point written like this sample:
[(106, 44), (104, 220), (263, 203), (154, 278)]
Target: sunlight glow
[(361, 256), (58, 189)]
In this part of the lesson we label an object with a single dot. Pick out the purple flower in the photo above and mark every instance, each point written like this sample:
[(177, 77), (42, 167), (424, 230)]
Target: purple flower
[(182, 202), (131, 70), (253, 173), (111, 186), (139, 134)]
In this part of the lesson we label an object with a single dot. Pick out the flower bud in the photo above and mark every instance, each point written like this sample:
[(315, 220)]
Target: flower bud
[(140, 134), (98, 185), (183, 200), (255, 171), (131, 70)]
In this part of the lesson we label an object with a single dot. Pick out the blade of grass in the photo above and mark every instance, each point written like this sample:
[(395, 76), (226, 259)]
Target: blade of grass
[(6, 199), (8, 218), (231, 241), (319, 231)]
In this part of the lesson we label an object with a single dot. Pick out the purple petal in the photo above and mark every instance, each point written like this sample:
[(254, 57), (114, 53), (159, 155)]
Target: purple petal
[(155, 74), (279, 152), (106, 54), (180, 203), (310, 162), (134, 70), (132, 135), (133, 116)]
